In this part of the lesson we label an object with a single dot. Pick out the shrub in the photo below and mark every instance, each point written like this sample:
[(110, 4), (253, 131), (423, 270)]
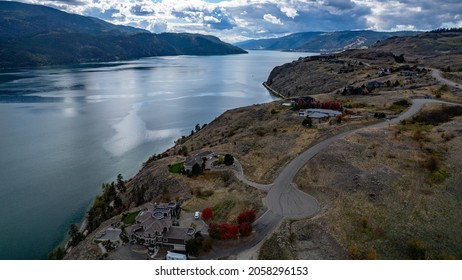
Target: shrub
[(307, 122), (229, 159), (247, 216), (207, 214), (196, 170), (229, 231), (372, 254), (245, 229), (416, 249)]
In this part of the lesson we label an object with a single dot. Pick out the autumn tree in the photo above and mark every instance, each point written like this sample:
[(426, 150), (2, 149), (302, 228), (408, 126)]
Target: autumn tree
[(207, 214), (245, 229), (247, 216)]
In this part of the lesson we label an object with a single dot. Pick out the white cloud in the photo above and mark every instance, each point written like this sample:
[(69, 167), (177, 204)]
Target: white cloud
[(290, 12), (244, 19), (272, 19)]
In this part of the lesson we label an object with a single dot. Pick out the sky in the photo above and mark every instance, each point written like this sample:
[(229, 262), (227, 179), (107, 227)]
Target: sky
[(239, 20)]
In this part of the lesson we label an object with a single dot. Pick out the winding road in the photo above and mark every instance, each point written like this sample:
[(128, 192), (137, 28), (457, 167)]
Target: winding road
[(285, 200)]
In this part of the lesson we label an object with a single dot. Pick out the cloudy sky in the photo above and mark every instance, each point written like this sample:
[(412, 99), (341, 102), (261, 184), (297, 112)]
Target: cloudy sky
[(237, 20)]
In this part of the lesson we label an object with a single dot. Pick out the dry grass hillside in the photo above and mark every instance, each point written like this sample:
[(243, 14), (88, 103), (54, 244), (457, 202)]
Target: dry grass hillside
[(387, 194), (331, 73), (391, 194)]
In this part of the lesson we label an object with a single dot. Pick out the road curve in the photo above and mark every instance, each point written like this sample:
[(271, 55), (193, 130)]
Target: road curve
[(437, 75), (284, 199)]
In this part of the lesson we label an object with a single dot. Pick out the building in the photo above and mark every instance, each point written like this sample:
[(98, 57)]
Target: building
[(153, 227), (204, 159), (318, 113)]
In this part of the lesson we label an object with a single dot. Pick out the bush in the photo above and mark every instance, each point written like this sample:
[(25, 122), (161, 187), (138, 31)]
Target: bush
[(57, 254), (416, 249), (229, 159), (307, 122), (245, 229), (223, 231), (196, 170), (246, 217), (207, 214)]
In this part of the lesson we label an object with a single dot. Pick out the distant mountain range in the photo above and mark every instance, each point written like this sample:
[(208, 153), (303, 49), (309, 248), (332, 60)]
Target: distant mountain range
[(323, 41), (33, 35)]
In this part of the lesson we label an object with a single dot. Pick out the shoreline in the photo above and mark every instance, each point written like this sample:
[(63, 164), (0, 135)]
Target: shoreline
[(273, 91)]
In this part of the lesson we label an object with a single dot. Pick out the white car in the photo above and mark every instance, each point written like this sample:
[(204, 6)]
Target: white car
[(197, 215)]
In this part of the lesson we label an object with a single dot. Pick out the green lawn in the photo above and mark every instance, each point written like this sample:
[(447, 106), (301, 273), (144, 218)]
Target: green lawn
[(129, 219), (176, 168)]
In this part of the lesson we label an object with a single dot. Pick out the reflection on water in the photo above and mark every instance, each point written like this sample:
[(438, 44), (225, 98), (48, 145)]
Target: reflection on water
[(66, 130)]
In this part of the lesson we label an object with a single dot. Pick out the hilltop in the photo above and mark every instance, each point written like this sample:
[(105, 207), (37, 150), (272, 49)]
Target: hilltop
[(322, 41), (33, 35), (331, 73)]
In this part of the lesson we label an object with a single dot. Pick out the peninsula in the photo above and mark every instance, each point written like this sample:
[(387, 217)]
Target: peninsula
[(379, 180)]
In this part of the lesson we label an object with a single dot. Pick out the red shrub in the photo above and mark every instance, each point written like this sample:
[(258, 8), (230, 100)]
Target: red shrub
[(247, 216), (327, 105), (336, 106), (223, 231), (207, 214), (229, 231), (245, 229)]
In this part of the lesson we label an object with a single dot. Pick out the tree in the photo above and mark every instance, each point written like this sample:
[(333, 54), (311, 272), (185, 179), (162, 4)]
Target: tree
[(207, 214), (183, 151), (416, 249), (229, 231), (75, 235), (246, 217), (198, 127), (229, 159), (193, 245), (245, 229), (57, 254), (308, 122), (196, 170), (120, 183), (215, 231)]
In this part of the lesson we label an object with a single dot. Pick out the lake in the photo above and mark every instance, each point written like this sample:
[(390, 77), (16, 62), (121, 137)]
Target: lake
[(66, 130)]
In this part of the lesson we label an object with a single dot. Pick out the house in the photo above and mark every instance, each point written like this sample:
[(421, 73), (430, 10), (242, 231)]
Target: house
[(407, 73), (318, 113), (153, 227), (204, 159), (375, 84)]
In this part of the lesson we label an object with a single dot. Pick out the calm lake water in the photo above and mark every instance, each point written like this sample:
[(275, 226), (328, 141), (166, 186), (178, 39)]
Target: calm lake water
[(66, 130)]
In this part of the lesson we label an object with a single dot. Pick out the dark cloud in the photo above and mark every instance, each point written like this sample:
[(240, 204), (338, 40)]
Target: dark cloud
[(67, 2), (139, 10), (340, 4), (218, 19), (106, 14), (269, 18)]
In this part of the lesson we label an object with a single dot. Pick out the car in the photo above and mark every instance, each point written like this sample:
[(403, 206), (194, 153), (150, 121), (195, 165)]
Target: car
[(197, 215)]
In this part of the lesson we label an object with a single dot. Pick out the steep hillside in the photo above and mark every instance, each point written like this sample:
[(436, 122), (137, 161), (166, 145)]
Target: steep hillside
[(322, 41), (321, 74), (32, 35)]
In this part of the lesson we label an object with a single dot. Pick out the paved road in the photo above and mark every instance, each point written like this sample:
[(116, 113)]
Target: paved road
[(285, 200), (437, 75)]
